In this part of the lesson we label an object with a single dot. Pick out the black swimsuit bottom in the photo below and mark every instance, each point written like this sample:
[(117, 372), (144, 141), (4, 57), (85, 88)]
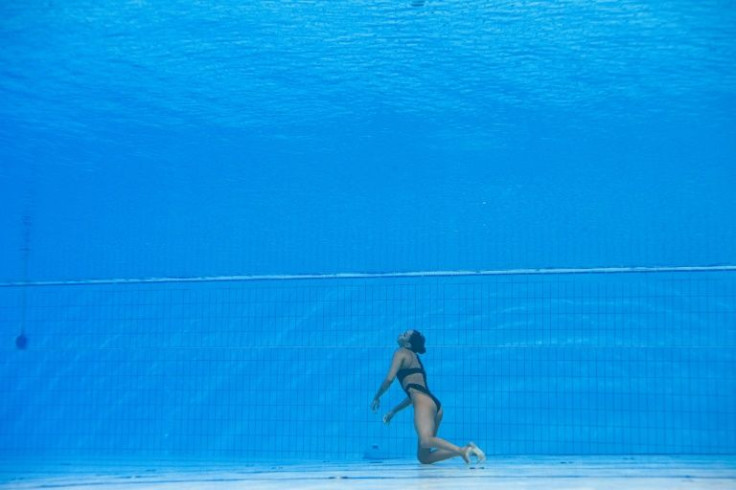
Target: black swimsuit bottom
[(403, 373), (425, 391)]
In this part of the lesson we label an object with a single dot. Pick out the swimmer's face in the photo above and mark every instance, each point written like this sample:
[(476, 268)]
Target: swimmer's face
[(403, 339)]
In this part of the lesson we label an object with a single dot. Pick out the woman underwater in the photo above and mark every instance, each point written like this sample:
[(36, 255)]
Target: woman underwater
[(407, 366)]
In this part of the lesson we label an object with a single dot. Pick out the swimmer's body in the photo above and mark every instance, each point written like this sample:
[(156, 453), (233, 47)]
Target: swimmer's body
[(428, 412)]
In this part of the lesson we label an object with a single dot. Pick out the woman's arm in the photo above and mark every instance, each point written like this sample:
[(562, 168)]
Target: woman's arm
[(387, 418), (396, 362)]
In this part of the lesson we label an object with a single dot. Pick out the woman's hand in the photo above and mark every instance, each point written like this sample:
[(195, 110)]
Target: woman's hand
[(375, 404), (387, 418)]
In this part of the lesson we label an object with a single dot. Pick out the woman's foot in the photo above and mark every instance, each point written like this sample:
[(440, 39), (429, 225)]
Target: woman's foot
[(476, 451), (465, 454)]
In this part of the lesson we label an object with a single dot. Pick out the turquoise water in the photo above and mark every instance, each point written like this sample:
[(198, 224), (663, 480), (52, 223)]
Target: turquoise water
[(186, 139)]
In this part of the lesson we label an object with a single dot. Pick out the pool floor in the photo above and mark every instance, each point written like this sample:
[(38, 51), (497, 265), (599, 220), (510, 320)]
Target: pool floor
[(573, 472)]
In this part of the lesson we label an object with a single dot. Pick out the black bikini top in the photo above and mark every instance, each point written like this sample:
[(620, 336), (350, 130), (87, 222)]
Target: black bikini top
[(403, 373)]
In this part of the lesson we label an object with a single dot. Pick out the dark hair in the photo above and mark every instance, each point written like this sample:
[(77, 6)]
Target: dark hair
[(417, 342)]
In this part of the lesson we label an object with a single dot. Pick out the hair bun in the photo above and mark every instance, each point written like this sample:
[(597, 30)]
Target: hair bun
[(417, 342)]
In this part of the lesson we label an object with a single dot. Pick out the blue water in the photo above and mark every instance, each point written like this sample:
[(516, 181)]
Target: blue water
[(144, 139), (315, 136), (285, 370)]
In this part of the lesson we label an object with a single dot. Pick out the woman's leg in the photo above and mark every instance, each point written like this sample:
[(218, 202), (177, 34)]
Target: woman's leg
[(427, 456), (426, 423), (423, 453)]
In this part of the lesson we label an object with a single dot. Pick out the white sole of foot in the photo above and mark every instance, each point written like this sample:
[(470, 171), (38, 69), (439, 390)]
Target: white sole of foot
[(478, 452)]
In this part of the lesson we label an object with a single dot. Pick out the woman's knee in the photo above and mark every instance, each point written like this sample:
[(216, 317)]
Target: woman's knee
[(423, 456)]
